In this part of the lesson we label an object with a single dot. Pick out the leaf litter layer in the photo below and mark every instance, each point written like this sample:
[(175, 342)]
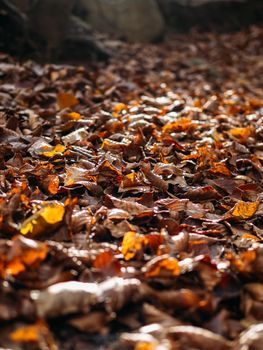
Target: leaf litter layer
[(131, 198)]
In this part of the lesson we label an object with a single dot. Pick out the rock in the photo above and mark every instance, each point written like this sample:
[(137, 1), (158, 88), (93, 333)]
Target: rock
[(134, 20), (218, 15)]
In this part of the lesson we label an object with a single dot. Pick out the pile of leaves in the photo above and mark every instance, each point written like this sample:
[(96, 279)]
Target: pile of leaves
[(131, 198)]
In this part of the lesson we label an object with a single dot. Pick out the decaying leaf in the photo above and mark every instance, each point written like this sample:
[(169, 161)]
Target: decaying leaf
[(131, 191)]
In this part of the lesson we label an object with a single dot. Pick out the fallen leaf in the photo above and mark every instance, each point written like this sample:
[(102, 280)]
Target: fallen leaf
[(242, 134), (47, 218), (57, 150), (132, 245), (245, 210), (66, 100)]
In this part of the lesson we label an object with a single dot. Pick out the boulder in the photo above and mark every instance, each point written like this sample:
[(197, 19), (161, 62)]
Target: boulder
[(134, 20), (218, 15)]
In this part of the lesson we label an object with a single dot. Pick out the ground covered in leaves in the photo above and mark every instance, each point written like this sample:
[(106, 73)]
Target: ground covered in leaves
[(131, 198)]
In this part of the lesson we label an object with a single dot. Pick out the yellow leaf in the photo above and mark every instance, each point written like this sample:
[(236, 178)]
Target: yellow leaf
[(245, 210), (53, 151), (47, 218), (66, 100), (132, 244)]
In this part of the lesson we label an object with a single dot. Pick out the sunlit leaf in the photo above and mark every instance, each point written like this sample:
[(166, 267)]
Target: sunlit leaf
[(220, 169), (72, 116), (132, 244), (51, 183), (183, 124), (26, 334), (34, 333), (66, 100), (244, 262), (24, 253), (146, 346), (245, 210), (168, 265), (45, 219), (57, 150), (242, 134), (107, 263)]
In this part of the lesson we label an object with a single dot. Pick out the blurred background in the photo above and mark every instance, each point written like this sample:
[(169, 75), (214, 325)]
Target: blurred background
[(49, 30)]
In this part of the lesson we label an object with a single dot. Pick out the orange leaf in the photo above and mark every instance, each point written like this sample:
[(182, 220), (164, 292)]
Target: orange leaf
[(72, 116), (103, 259), (119, 107), (245, 210), (106, 262), (52, 182), (66, 100), (164, 264), (32, 333), (132, 244), (249, 236), (25, 334), (220, 169), (53, 151), (244, 262), (145, 346), (242, 134), (24, 253), (183, 124)]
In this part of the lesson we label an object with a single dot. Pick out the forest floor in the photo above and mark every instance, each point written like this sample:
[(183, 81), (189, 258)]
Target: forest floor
[(141, 180)]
